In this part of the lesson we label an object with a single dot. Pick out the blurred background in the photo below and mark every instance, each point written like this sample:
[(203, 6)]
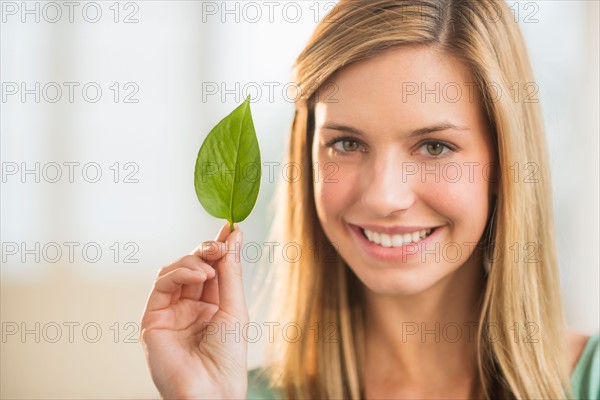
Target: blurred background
[(104, 107)]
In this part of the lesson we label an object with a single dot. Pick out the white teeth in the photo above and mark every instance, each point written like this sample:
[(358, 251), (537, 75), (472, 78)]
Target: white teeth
[(386, 240)]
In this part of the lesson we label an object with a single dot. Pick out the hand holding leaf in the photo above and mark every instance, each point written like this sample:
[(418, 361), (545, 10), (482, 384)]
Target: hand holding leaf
[(228, 167)]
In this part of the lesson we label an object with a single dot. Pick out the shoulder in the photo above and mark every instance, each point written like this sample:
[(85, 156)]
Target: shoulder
[(585, 365), (577, 342), (259, 386)]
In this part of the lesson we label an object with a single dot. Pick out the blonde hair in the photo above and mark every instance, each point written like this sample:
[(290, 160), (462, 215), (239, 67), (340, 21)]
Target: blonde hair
[(318, 289)]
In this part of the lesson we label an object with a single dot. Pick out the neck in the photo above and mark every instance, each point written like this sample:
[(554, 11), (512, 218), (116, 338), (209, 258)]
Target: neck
[(429, 339)]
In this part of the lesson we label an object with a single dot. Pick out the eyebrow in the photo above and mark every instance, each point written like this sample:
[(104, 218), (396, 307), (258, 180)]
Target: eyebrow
[(419, 132)]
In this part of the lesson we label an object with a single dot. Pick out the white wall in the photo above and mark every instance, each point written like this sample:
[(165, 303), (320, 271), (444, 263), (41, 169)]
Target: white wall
[(173, 52)]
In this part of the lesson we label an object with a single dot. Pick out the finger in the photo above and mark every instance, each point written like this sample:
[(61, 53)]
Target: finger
[(167, 285), (229, 272), (213, 249), (210, 291), (210, 250), (192, 262), (195, 292)]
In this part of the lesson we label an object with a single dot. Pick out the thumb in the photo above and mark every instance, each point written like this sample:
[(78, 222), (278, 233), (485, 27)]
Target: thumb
[(229, 270)]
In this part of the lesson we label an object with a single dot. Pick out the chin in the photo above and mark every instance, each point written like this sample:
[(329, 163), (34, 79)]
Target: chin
[(396, 282)]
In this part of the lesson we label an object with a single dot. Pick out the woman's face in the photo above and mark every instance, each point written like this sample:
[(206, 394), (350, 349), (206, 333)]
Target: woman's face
[(404, 159)]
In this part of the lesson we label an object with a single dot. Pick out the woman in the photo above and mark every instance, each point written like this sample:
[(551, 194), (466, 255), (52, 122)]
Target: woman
[(432, 270)]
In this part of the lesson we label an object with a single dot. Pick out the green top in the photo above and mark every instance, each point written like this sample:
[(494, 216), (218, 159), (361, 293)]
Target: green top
[(585, 378)]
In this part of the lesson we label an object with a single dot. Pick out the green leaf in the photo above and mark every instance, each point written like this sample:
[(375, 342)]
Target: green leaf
[(228, 167)]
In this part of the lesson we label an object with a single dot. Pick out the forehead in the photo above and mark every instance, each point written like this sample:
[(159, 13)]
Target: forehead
[(405, 85)]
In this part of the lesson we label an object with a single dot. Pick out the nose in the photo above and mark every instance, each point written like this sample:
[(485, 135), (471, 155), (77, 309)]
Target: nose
[(386, 188)]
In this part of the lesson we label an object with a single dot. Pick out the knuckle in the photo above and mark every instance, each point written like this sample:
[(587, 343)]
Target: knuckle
[(143, 337), (189, 260), (209, 243), (210, 248), (166, 268), (162, 271), (156, 283)]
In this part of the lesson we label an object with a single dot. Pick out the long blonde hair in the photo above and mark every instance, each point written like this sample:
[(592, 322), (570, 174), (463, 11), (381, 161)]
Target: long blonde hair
[(320, 295)]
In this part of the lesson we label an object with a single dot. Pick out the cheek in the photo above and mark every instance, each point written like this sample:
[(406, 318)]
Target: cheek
[(333, 187), (463, 200)]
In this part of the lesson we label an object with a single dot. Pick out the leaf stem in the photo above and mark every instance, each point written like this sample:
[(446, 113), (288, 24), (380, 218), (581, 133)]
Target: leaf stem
[(231, 227)]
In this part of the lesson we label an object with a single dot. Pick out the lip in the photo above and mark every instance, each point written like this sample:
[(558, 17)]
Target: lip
[(401, 253)]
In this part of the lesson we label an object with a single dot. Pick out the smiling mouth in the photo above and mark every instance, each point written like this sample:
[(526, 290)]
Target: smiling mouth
[(396, 240)]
